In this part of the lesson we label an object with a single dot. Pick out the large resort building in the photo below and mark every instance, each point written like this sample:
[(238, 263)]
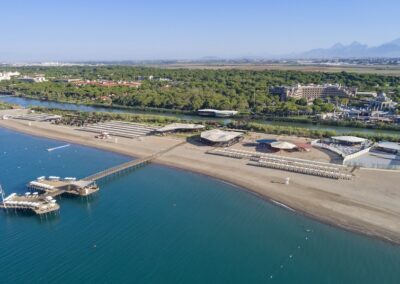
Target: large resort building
[(311, 92)]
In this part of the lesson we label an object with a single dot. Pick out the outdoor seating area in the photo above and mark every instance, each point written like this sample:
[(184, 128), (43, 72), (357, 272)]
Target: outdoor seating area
[(343, 145), (376, 159), (287, 163), (54, 186), (119, 128), (30, 201)]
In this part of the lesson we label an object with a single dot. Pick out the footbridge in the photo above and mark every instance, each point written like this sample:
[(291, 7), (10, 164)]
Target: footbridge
[(134, 164)]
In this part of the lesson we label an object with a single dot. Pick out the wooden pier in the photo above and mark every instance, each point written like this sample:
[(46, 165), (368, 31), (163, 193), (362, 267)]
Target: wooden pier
[(52, 187), (129, 165), (49, 188), (120, 168)]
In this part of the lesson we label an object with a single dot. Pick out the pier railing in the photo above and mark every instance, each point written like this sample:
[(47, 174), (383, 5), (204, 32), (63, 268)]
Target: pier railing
[(120, 168)]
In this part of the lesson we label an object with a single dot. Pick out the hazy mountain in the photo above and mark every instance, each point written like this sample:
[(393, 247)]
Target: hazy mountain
[(355, 49)]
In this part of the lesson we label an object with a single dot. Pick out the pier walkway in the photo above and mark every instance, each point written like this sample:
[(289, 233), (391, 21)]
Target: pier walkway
[(129, 165), (54, 186)]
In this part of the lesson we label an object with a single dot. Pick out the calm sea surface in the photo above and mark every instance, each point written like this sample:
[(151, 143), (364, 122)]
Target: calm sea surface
[(160, 225)]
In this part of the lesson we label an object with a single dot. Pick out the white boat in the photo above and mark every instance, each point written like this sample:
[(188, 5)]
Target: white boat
[(59, 147)]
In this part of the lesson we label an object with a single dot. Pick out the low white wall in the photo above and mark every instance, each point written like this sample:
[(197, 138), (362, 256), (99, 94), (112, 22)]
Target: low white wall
[(316, 143), (357, 154)]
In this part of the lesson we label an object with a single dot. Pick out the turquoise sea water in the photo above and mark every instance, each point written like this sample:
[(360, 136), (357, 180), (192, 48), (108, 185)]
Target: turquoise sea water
[(161, 225)]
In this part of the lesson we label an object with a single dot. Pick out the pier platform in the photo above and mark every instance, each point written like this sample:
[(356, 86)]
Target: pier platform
[(35, 203), (55, 186)]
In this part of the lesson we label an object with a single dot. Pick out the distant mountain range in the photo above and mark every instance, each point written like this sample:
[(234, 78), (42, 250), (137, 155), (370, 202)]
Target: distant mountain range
[(355, 49)]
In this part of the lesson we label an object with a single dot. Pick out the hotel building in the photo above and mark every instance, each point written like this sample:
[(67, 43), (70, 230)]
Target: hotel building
[(311, 92)]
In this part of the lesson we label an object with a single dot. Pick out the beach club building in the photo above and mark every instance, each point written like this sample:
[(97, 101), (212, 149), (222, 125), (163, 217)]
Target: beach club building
[(217, 113), (348, 140), (388, 147), (179, 127), (221, 138), (275, 145)]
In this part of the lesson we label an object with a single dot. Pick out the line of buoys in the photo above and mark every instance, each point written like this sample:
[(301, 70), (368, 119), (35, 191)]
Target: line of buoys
[(290, 257)]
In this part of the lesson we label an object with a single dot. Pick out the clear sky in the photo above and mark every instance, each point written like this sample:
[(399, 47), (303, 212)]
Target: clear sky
[(177, 29)]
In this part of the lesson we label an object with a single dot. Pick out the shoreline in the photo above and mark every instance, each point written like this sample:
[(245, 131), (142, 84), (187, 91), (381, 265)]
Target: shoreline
[(326, 207), (355, 230)]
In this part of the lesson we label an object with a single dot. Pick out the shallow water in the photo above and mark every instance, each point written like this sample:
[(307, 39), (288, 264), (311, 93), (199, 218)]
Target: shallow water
[(161, 225)]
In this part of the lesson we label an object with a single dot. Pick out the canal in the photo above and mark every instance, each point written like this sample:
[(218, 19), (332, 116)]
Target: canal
[(26, 102)]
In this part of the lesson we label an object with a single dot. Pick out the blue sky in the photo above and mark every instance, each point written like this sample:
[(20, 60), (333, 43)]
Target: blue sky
[(37, 30)]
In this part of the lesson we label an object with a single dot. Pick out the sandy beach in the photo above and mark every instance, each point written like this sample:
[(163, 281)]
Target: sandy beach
[(369, 203)]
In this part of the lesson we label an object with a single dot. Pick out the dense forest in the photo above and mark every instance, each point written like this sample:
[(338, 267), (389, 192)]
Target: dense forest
[(191, 89)]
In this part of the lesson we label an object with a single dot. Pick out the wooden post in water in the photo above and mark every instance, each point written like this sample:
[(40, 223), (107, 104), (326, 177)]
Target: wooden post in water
[(2, 195)]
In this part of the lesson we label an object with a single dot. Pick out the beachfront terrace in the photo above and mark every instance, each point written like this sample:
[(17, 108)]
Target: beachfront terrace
[(344, 145), (302, 166), (39, 117)]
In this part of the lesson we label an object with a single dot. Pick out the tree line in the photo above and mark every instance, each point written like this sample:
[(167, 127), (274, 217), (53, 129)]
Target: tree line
[(191, 89)]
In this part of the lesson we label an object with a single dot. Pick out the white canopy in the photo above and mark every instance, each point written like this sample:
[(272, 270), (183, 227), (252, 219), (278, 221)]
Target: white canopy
[(42, 185), (389, 145), (349, 139), (217, 135), (180, 126), (283, 145)]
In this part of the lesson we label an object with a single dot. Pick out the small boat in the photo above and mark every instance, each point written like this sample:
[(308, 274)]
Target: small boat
[(59, 147)]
